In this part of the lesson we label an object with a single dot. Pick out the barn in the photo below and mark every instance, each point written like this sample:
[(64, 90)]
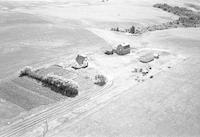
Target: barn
[(123, 49)]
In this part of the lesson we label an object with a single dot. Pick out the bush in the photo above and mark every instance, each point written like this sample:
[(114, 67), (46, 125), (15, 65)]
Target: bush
[(100, 80), (25, 71), (29, 72)]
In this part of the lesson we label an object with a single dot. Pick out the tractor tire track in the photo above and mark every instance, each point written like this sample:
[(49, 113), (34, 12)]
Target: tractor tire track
[(55, 111)]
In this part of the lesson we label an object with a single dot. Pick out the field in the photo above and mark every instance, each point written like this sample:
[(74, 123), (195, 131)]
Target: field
[(153, 91)]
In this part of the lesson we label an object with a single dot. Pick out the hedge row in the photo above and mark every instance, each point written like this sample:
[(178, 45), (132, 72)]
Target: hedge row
[(59, 84)]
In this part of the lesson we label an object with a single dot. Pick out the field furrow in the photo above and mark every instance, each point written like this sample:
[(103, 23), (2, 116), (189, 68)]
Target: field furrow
[(21, 96), (38, 88)]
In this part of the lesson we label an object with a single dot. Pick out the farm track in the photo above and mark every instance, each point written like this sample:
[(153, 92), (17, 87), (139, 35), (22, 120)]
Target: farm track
[(55, 111)]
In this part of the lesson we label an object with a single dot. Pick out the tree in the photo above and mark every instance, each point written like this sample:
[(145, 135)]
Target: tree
[(117, 29), (132, 30)]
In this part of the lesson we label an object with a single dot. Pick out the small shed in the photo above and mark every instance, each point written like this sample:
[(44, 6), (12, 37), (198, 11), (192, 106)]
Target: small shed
[(123, 49)]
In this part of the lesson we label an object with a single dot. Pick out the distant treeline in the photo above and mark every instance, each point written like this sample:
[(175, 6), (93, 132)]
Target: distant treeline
[(180, 11), (187, 18), (131, 30)]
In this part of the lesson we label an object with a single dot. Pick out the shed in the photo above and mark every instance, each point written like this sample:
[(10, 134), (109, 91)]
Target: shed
[(146, 58)]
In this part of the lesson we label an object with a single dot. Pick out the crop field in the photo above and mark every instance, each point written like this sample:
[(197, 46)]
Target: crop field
[(37, 87), (22, 97)]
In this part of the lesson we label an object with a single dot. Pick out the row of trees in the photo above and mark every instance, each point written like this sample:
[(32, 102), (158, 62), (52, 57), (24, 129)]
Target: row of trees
[(188, 18), (58, 84), (180, 11), (131, 30)]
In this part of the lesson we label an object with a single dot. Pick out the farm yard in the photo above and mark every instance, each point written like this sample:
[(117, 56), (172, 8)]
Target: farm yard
[(32, 94), (72, 68)]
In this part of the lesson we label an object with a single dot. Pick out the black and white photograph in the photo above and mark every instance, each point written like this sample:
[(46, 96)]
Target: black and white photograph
[(99, 68)]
